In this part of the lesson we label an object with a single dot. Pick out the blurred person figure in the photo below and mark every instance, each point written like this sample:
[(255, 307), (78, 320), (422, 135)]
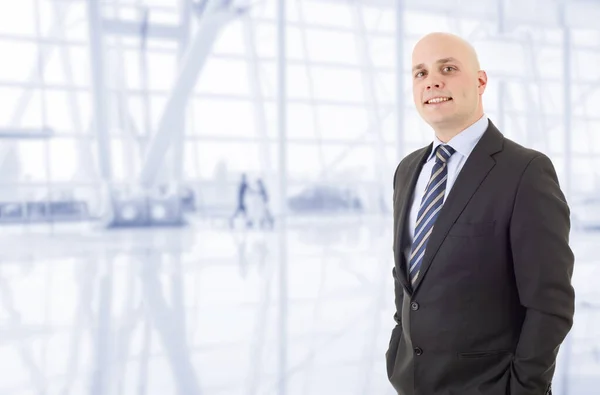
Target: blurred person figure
[(265, 214), (242, 203)]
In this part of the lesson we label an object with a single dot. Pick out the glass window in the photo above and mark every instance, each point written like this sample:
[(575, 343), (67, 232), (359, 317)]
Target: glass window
[(343, 122), (230, 39), (224, 77), (331, 46), (20, 61), (17, 18), (32, 161), (225, 118), (338, 84), (323, 13)]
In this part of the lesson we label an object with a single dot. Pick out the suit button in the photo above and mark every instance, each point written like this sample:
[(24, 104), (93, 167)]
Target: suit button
[(414, 306), (418, 351)]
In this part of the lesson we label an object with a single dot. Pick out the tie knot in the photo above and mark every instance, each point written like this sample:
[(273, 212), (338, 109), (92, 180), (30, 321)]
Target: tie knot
[(443, 153)]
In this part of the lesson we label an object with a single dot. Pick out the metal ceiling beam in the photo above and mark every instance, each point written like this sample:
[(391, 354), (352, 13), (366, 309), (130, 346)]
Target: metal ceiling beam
[(26, 133), (536, 13), (99, 90), (192, 64), (133, 28)]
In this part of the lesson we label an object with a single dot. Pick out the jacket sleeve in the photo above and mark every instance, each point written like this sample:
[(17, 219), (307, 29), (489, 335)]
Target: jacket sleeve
[(390, 354), (543, 267), (398, 290)]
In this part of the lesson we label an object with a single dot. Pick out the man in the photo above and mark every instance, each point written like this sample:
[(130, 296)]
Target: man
[(483, 266)]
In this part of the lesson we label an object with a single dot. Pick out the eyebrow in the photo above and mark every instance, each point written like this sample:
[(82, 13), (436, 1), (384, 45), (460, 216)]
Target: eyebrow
[(439, 61)]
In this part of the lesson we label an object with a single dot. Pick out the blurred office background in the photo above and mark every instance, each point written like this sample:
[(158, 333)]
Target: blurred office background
[(127, 126)]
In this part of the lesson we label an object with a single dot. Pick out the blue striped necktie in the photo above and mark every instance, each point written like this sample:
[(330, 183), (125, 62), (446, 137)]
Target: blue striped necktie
[(432, 202)]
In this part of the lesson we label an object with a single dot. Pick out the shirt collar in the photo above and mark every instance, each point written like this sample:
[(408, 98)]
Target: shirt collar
[(465, 141)]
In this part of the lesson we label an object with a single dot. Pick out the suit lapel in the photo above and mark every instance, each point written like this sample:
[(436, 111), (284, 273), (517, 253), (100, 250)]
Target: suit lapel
[(403, 202), (474, 171)]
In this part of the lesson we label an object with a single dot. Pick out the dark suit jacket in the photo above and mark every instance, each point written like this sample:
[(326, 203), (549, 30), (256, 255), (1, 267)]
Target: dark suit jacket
[(494, 300)]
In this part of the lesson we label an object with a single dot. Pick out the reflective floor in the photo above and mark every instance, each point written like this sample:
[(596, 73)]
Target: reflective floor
[(204, 310)]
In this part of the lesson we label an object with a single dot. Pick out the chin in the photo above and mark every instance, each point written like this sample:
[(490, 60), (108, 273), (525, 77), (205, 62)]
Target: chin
[(439, 120)]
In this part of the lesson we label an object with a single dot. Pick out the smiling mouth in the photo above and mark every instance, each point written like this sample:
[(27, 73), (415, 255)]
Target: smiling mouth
[(437, 100)]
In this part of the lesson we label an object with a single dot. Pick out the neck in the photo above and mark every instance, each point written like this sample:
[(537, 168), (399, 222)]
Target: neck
[(447, 133)]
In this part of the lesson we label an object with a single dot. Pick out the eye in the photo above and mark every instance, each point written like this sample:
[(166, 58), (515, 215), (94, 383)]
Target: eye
[(419, 74), (448, 68)]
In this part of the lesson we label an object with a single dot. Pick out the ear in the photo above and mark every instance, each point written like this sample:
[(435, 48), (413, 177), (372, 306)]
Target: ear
[(482, 81)]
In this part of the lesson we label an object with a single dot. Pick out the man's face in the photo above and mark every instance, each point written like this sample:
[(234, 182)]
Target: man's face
[(446, 82)]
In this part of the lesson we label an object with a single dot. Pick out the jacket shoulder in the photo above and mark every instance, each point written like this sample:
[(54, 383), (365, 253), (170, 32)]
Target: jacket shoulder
[(520, 155), (406, 161)]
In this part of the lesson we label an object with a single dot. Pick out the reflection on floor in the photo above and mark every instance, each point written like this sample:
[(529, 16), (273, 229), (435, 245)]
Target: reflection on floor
[(305, 311)]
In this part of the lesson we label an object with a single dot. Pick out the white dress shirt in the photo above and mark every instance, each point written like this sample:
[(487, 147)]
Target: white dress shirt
[(463, 143)]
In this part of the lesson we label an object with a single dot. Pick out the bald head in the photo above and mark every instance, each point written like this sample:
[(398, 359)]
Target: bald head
[(449, 43), (447, 83)]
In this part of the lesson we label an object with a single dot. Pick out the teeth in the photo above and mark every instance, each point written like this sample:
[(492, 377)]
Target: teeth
[(438, 100)]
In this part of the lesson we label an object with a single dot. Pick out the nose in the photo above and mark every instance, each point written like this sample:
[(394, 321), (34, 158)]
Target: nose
[(434, 84)]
